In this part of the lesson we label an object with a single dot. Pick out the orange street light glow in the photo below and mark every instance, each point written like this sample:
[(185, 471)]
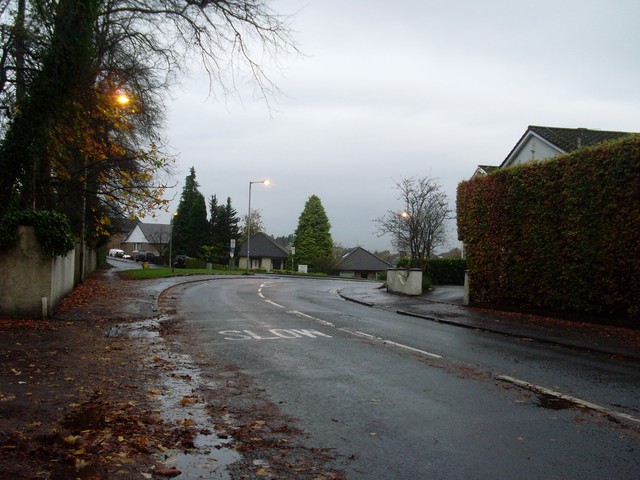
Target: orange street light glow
[(123, 99)]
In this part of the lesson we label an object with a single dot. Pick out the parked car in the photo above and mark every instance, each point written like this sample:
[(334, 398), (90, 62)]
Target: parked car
[(141, 256), (181, 261), (116, 252), (152, 257)]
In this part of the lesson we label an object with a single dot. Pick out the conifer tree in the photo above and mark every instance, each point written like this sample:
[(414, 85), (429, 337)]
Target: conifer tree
[(224, 227), (190, 225), (313, 243)]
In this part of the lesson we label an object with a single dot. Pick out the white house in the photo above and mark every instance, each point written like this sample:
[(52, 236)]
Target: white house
[(542, 143), (148, 237)]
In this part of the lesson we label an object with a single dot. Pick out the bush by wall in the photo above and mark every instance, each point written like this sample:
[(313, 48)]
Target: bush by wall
[(447, 271), (52, 229), (196, 263), (561, 235)]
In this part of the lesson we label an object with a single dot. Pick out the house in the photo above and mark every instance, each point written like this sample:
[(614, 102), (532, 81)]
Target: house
[(148, 237), (265, 254), (119, 229), (485, 170), (360, 263), (542, 143)]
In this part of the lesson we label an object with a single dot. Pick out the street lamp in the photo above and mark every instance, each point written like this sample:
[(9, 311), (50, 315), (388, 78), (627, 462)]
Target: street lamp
[(122, 99), (171, 238), (264, 182)]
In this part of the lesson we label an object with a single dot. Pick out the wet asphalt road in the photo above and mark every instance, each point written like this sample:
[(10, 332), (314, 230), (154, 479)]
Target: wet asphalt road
[(397, 397)]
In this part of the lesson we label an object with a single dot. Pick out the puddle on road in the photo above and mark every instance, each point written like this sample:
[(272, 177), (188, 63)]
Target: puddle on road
[(180, 405), (143, 329), (549, 402)]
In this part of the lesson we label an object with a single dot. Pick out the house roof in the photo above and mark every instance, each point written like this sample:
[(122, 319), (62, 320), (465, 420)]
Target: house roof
[(564, 139), (122, 225), (153, 233), (361, 260), (263, 246), (485, 170), (156, 232)]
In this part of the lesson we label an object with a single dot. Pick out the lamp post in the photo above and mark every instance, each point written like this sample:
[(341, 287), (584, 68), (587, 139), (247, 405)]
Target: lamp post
[(264, 182), (171, 239)]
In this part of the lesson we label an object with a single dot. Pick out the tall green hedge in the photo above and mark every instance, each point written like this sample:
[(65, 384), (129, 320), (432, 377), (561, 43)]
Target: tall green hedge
[(447, 271), (561, 235)]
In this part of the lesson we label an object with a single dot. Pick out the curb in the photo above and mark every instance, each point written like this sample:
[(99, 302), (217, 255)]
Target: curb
[(535, 338)]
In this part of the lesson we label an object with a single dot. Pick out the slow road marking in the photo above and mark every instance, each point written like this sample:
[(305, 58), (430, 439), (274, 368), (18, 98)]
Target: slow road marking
[(272, 334)]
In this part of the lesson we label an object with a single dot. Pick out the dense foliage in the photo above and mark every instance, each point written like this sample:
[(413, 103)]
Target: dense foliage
[(313, 242), (447, 271), (52, 230), (224, 228), (562, 235), (190, 224), (82, 86)]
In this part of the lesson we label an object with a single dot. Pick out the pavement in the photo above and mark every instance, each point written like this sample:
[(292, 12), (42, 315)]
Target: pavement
[(444, 305)]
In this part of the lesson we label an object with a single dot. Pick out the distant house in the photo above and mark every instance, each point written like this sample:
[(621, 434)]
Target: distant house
[(120, 229), (542, 143), (485, 170), (360, 263), (265, 254), (148, 237)]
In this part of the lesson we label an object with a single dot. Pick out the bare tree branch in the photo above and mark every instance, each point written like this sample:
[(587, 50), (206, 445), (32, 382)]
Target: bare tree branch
[(420, 227)]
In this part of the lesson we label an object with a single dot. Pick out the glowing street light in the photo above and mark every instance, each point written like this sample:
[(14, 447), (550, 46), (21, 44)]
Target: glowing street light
[(264, 182), (123, 99)]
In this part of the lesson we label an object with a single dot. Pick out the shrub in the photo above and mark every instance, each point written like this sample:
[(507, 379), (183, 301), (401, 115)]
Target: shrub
[(196, 263), (447, 271), (52, 229)]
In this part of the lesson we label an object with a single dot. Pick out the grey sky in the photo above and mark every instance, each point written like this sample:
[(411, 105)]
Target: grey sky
[(388, 90)]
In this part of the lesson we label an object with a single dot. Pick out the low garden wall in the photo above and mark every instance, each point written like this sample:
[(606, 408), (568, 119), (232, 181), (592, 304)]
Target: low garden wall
[(33, 283), (405, 281)]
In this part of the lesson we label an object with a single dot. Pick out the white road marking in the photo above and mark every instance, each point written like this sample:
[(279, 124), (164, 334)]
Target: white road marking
[(279, 334), (274, 304), (315, 319), (578, 401), (389, 342), (346, 330)]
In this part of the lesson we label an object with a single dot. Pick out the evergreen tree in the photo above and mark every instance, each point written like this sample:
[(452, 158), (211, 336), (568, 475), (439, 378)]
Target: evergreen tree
[(224, 228), (213, 220), (227, 228), (191, 229), (313, 243)]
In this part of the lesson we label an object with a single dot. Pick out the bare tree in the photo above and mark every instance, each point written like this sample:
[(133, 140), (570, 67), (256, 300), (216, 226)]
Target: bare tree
[(70, 136), (421, 226), (256, 224)]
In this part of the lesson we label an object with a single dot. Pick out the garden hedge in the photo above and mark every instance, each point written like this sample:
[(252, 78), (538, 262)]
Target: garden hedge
[(447, 271), (560, 235)]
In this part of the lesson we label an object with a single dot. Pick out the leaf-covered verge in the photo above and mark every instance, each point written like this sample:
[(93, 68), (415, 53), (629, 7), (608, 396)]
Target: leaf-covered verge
[(75, 403), (561, 235)]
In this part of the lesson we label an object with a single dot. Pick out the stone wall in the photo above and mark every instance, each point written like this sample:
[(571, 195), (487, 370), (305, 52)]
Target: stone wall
[(33, 283)]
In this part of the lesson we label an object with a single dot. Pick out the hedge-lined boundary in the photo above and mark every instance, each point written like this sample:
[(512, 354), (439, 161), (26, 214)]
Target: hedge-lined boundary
[(560, 235), (447, 271)]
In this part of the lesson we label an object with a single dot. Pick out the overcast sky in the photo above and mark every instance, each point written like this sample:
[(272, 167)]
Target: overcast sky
[(389, 90)]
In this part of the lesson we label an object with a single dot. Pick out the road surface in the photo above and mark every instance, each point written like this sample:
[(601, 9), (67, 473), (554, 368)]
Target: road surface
[(396, 397)]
